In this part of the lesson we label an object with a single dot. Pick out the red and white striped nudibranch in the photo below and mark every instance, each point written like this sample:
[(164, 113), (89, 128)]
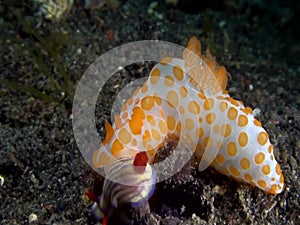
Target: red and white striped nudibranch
[(128, 181), (198, 103)]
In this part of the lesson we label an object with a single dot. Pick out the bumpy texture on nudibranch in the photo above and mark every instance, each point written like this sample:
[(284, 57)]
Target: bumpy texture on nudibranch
[(190, 95)]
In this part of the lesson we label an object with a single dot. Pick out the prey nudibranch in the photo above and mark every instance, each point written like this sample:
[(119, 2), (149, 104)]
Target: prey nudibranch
[(189, 95)]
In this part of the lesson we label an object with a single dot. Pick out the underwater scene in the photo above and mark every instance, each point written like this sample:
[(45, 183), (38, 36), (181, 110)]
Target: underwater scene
[(166, 112)]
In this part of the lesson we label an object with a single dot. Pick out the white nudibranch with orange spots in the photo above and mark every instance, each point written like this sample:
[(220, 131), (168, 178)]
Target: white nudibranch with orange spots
[(190, 94)]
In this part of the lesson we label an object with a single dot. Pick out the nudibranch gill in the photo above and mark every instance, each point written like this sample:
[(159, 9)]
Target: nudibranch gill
[(190, 94)]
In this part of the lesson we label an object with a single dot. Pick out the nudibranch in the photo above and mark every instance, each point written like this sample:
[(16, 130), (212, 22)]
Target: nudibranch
[(128, 181), (189, 94)]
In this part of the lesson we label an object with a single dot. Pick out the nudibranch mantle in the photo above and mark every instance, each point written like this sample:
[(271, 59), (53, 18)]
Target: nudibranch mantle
[(196, 102)]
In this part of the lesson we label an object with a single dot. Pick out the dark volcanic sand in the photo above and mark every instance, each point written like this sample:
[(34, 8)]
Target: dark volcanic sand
[(44, 171)]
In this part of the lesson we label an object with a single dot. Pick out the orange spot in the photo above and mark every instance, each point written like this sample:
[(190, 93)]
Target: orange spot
[(210, 118), (124, 136), (162, 126), (118, 122), (165, 61), (151, 151), (243, 120), (129, 101), (266, 169), (259, 158), (248, 177), (178, 72), (257, 123), (181, 110), (134, 142), (262, 138), (223, 106), (281, 179), (146, 136), (199, 149), (124, 107), (208, 104), (178, 127), (136, 121), (245, 163), (169, 81), (109, 132), (172, 98), (262, 183), (226, 130), (147, 103), (201, 95), (278, 170), (125, 115), (243, 139), (270, 148), (232, 101), (171, 122), (200, 120), (183, 91), (136, 91), (234, 171), (220, 158), (194, 107), (232, 113), (249, 110), (208, 142), (154, 76), (231, 149), (189, 124), (144, 88), (116, 147), (273, 189), (155, 134), (157, 99), (151, 120), (200, 132), (216, 128)]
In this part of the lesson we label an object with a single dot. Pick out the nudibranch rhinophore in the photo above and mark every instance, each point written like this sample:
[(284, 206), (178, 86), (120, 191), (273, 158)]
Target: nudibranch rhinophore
[(190, 94)]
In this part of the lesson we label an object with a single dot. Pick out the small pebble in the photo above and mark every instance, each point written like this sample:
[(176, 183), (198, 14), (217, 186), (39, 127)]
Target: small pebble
[(1, 181), (250, 87), (256, 112), (32, 218)]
